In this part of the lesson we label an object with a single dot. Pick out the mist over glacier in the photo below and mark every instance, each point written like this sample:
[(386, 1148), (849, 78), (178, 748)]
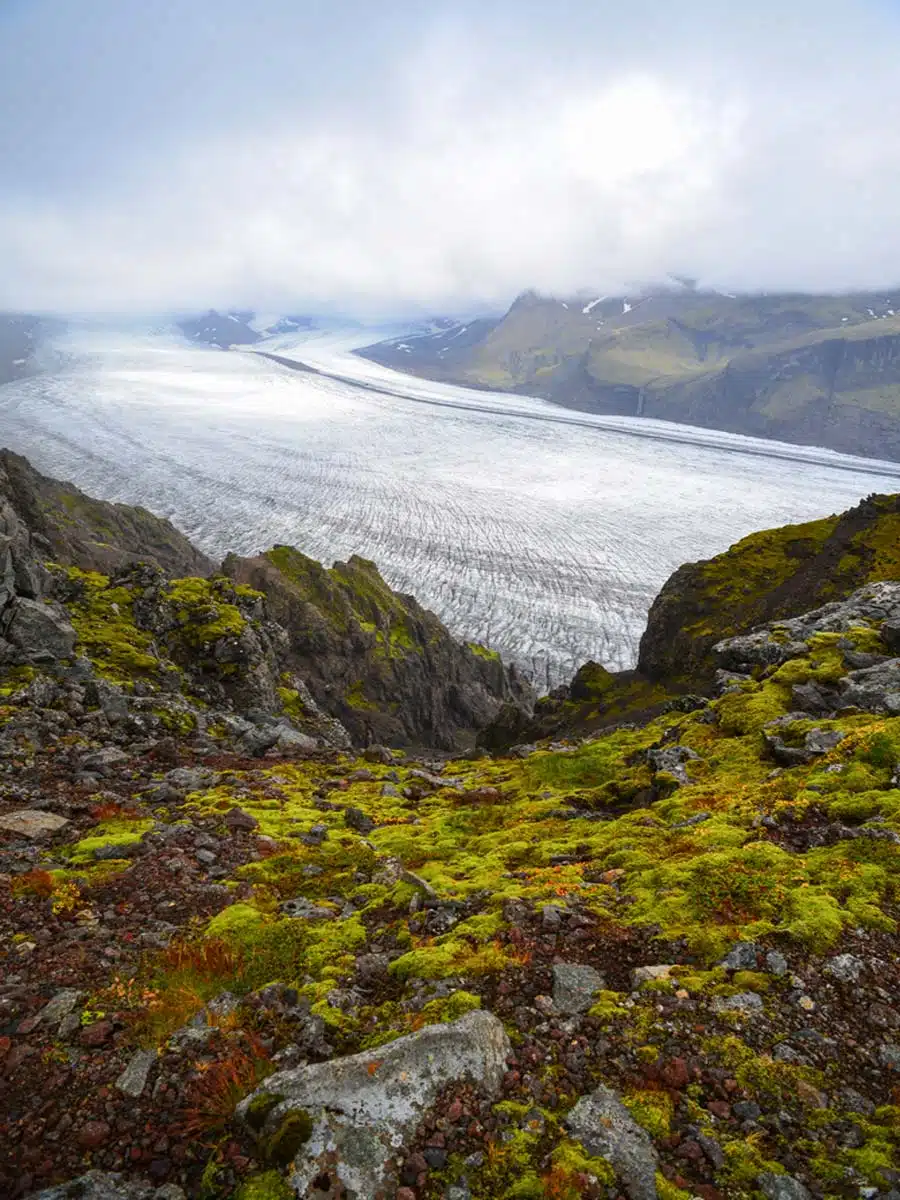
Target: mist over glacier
[(543, 533)]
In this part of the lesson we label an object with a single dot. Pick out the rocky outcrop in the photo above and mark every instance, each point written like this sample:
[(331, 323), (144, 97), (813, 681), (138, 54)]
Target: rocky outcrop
[(310, 655), (220, 329), (767, 575), (59, 522), (384, 666)]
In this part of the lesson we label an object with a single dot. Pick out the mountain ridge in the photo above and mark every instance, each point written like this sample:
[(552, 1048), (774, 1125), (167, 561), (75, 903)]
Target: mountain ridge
[(812, 369)]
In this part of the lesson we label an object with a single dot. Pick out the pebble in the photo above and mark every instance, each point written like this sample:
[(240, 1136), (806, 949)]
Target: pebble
[(93, 1134)]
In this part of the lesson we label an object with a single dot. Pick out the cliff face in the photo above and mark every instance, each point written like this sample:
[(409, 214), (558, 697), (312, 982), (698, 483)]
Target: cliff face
[(329, 654), (386, 667), (822, 370), (76, 530)]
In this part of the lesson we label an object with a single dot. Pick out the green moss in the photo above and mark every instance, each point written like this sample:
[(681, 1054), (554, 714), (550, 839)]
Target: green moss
[(122, 832), (204, 610), (238, 923), (293, 1132), (103, 619), (652, 1110), (259, 1108), (357, 698), (269, 1185), (483, 652)]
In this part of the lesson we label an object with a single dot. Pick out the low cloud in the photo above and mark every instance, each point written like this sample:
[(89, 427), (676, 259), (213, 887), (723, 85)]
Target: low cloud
[(465, 166)]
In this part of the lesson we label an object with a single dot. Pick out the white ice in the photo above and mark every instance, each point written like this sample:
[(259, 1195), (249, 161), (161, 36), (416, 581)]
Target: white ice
[(543, 532)]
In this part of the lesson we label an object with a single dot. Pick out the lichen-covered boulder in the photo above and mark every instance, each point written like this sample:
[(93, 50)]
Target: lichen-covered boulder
[(606, 1129), (350, 1118), (109, 1185)]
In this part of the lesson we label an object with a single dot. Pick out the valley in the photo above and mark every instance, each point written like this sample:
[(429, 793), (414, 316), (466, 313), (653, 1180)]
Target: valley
[(542, 533)]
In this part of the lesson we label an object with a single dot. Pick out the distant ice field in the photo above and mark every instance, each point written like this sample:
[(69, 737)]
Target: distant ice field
[(541, 532)]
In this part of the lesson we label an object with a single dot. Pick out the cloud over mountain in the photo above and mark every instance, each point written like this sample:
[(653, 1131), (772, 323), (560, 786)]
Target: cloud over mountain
[(381, 160)]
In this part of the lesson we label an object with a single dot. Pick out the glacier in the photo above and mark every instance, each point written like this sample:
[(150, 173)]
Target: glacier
[(540, 532)]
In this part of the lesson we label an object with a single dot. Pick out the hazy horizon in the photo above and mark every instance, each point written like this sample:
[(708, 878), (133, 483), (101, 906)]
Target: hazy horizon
[(398, 162)]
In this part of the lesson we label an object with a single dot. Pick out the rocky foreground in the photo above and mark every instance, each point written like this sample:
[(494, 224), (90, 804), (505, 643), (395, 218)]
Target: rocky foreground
[(243, 954)]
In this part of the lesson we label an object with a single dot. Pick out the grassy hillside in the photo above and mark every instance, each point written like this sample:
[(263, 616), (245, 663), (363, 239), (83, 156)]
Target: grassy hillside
[(811, 369)]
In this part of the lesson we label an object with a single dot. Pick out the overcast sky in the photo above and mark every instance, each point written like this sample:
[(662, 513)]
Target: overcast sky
[(388, 158)]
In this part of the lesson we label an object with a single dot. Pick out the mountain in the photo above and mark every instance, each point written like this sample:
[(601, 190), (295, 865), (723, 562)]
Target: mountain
[(220, 329), (75, 530), (814, 369), (241, 957)]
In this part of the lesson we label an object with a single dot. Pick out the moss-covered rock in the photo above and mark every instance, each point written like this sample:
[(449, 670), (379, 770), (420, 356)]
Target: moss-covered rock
[(385, 667)]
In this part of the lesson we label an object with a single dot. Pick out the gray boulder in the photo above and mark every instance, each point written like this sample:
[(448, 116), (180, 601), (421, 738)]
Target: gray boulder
[(574, 986), (671, 760), (32, 822), (108, 1185), (356, 1114), (759, 649), (782, 1187), (39, 632), (741, 957), (604, 1126), (875, 689), (845, 968)]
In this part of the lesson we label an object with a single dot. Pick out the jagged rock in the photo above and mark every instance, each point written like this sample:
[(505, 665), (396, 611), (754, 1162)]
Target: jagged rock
[(293, 740), (59, 1007), (191, 779), (32, 822), (356, 819), (111, 700), (134, 1078), (574, 985), (360, 1111), (742, 957), (375, 659), (889, 1056), (776, 963), (104, 761), (238, 820), (820, 741), (755, 650), (815, 743), (305, 910), (38, 633), (810, 698), (748, 1003), (874, 689), (671, 760), (606, 1129), (641, 975)]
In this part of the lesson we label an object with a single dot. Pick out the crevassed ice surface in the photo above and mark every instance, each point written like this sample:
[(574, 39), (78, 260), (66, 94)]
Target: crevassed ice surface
[(540, 532)]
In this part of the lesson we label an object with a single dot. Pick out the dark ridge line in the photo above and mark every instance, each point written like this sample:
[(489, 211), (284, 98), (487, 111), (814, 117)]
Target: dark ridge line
[(647, 435)]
